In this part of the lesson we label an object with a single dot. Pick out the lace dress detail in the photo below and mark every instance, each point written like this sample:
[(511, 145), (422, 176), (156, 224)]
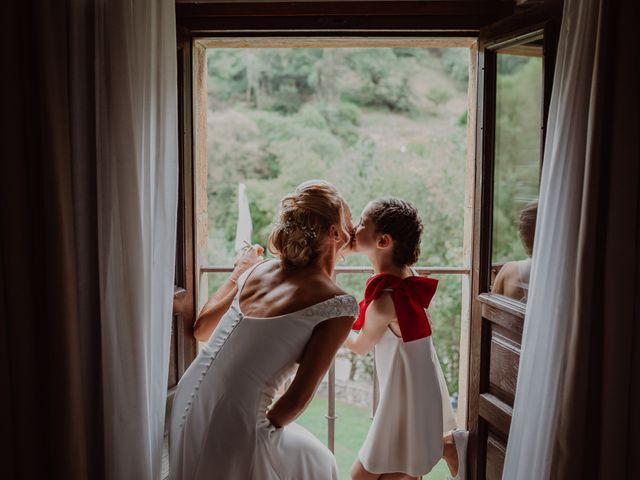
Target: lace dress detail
[(339, 306), (219, 428)]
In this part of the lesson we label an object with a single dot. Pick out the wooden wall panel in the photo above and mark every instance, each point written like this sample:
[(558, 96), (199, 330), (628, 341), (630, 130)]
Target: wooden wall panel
[(440, 17), (496, 450), (495, 413), (503, 366)]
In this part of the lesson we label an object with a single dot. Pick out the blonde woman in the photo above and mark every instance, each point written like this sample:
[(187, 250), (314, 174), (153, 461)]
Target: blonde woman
[(269, 318)]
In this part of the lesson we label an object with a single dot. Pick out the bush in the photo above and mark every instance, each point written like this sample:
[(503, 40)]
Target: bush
[(382, 81), (439, 95), (462, 119), (455, 62)]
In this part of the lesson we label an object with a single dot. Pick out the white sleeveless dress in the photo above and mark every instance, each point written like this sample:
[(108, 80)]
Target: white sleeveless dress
[(414, 411), (218, 425)]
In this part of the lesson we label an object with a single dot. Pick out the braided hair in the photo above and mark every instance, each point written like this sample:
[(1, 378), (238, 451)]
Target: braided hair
[(305, 217)]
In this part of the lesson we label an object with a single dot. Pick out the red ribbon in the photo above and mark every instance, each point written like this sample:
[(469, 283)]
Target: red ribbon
[(411, 295)]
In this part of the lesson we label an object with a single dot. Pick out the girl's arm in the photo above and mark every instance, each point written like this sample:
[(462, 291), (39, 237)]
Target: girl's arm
[(221, 300), (316, 360), (380, 313)]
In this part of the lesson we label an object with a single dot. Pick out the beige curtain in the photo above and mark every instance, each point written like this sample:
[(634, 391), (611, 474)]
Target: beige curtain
[(577, 406), (137, 179), (598, 433)]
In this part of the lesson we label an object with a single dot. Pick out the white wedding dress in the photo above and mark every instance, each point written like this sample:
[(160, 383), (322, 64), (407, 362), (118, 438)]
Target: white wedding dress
[(218, 425)]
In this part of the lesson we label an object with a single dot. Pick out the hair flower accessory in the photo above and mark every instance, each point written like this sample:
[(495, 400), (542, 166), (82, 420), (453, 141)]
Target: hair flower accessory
[(290, 225)]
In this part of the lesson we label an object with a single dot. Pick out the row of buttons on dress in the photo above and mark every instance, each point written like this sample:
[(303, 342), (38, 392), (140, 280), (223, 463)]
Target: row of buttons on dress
[(207, 365)]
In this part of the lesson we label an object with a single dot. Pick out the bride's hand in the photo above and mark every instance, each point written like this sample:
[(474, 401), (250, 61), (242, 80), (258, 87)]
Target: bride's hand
[(250, 257)]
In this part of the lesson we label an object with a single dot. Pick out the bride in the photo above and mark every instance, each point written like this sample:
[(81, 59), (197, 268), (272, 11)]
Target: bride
[(267, 319)]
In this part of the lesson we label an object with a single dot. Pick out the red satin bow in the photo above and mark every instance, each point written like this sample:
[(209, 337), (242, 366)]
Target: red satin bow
[(411, 295)]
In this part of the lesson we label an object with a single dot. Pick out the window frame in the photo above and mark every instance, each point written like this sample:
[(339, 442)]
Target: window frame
[(355, 20)]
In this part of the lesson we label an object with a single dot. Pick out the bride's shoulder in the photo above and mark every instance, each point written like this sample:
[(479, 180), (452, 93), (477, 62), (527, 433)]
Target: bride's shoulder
[(317, 291), (324, 287), (331, 294)]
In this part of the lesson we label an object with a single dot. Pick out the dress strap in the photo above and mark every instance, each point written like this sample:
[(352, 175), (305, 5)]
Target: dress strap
[(247, 273)]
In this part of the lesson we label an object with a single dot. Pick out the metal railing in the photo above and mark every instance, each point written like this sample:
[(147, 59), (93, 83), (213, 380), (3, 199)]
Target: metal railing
[(331, 377), (347, 269)]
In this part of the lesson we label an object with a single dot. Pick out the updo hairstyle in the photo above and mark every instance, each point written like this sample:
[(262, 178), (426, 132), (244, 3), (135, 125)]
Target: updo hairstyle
[(399, 219), (305, 218)]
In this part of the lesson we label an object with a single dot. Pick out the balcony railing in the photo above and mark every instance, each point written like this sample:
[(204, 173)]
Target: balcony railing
[(331, 376)]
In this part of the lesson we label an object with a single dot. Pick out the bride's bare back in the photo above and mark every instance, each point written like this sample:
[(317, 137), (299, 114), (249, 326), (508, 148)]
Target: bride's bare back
[(271, 291)]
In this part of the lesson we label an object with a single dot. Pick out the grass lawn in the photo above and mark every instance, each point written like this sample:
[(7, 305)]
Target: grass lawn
[(352, 425)]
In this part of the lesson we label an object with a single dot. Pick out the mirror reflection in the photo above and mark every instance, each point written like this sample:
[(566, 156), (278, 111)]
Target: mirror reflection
[(518, 152)]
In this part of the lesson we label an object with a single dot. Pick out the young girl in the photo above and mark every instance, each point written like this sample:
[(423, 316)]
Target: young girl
[(406, 439)]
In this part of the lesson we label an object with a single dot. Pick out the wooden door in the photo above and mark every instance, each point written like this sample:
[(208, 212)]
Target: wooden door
[(183, 344), (515, 71)]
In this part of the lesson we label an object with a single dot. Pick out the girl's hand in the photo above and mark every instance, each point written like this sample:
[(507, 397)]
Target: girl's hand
[(251, 256)]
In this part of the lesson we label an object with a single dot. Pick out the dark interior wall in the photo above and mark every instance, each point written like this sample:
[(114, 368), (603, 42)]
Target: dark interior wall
[(349, 17)]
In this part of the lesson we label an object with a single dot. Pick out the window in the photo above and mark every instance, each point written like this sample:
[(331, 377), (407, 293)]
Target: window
[(388, 117), (518, 152)]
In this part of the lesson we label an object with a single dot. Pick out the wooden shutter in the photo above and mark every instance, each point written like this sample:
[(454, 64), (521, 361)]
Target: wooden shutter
[(497, 322)]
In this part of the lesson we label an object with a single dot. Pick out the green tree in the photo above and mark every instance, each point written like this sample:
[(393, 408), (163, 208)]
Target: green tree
[(382, 80)]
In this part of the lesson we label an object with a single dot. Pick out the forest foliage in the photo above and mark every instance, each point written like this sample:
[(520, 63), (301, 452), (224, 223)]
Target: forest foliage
[(374, 121)]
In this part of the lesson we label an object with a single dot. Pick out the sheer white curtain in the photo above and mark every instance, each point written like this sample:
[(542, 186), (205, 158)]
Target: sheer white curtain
[(555, 257), (137, 152)]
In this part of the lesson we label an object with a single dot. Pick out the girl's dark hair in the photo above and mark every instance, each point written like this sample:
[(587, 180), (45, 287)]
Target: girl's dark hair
[(527, 226), (399, 219)]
